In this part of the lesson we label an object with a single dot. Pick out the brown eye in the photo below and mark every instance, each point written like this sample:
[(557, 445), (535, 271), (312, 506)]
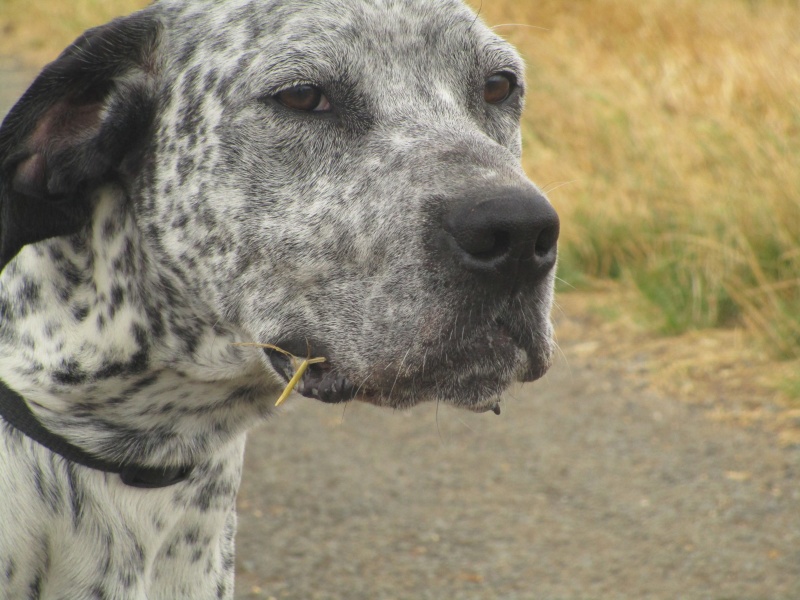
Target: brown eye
[(307, 98), (498, 87)]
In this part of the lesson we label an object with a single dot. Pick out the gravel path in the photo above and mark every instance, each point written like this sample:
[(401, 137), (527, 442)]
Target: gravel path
[(586, 487)]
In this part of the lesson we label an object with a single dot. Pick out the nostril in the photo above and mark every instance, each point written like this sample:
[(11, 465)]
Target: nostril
[(546, 242), (490, 246)]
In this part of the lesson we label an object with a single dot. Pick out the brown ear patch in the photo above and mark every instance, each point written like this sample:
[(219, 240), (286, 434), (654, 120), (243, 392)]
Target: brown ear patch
[(64, 127), (29, 176)]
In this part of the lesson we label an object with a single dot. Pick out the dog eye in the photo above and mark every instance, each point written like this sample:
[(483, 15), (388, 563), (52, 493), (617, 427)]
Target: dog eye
[(498, 87), (307, 98)]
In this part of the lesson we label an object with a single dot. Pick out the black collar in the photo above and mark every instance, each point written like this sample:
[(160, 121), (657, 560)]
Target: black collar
[(14, 410)]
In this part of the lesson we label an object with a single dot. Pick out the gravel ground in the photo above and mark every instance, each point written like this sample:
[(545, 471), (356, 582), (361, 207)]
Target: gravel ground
[(587, 486)]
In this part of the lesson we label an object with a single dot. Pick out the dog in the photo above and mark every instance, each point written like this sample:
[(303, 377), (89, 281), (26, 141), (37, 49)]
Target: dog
[(336, 179)]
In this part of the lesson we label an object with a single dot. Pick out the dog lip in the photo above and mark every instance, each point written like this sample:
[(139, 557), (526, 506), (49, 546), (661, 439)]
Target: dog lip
[(492, 406), (320, 381), (532, 369)]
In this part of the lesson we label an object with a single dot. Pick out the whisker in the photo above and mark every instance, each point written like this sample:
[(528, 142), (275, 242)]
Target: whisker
[(399, 369), (565, 282), (546, 189), (467, 425), (361, 385), (477, 16), (438, 429), (526, 25)]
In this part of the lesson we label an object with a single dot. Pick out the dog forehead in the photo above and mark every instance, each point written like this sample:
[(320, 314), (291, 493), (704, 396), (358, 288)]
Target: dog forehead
[(262, 38), (337, 14)]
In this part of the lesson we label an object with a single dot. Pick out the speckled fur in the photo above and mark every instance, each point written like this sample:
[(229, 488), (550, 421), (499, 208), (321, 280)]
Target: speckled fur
[(232, 218)]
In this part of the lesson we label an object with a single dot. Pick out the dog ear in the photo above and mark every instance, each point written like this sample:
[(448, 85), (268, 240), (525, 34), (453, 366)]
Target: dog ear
[(82, 122)]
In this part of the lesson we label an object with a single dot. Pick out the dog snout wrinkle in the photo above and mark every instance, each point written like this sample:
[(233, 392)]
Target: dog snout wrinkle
[(509, 235)]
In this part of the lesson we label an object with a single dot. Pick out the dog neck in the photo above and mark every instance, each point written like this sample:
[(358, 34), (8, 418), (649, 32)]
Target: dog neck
[(15, 411), (112, 359)]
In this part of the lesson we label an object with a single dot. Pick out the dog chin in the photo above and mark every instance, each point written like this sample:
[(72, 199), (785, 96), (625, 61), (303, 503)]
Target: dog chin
[(472, 377), (477, 386)]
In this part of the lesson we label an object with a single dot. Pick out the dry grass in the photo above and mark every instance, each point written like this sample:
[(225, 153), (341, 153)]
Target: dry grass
[(668, 134), (38, 30), (718, 370)]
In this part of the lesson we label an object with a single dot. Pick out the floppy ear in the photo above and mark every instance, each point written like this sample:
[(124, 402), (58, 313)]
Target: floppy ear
[(82, 122)]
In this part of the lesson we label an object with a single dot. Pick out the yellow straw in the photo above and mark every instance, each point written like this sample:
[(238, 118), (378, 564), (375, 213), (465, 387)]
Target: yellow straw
[(299, 369)]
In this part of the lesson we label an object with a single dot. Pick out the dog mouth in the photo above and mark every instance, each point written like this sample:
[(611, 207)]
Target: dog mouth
[(320, 381)]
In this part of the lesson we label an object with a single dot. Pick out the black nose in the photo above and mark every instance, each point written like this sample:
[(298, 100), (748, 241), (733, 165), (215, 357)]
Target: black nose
[(506, 233)]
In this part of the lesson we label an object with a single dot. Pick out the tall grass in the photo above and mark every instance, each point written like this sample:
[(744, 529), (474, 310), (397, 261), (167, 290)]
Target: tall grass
[(39, 29), (668, 132)]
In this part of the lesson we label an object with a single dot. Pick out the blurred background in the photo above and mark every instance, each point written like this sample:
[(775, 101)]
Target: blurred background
[(667, 135)]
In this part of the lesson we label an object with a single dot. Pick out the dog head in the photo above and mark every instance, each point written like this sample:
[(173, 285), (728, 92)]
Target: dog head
[(339, 178)]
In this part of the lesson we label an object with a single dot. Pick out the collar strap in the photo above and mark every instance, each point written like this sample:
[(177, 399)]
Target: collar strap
[(15, 411)]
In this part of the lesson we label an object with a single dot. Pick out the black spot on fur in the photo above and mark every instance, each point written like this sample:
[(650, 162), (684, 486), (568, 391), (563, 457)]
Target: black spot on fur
[(35, 588), (69, 373), (243, 394), (210, 80), (29, 293), (224, 88), (170, 551), (186, 53), (75, 496), (190, 117), (136, 364), (73, 275), (49, 491), (133, 568), (158, 524), (155, 319), (143, 383), (116, 300), (51, 328), (192, 536), (98, 593), (110, 229), (80, 312), (125, 263), (110, 370), (107, 553), (180, 221), (222, 590), (185, 168), (190, 81), (5, 311), (216, 492)]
